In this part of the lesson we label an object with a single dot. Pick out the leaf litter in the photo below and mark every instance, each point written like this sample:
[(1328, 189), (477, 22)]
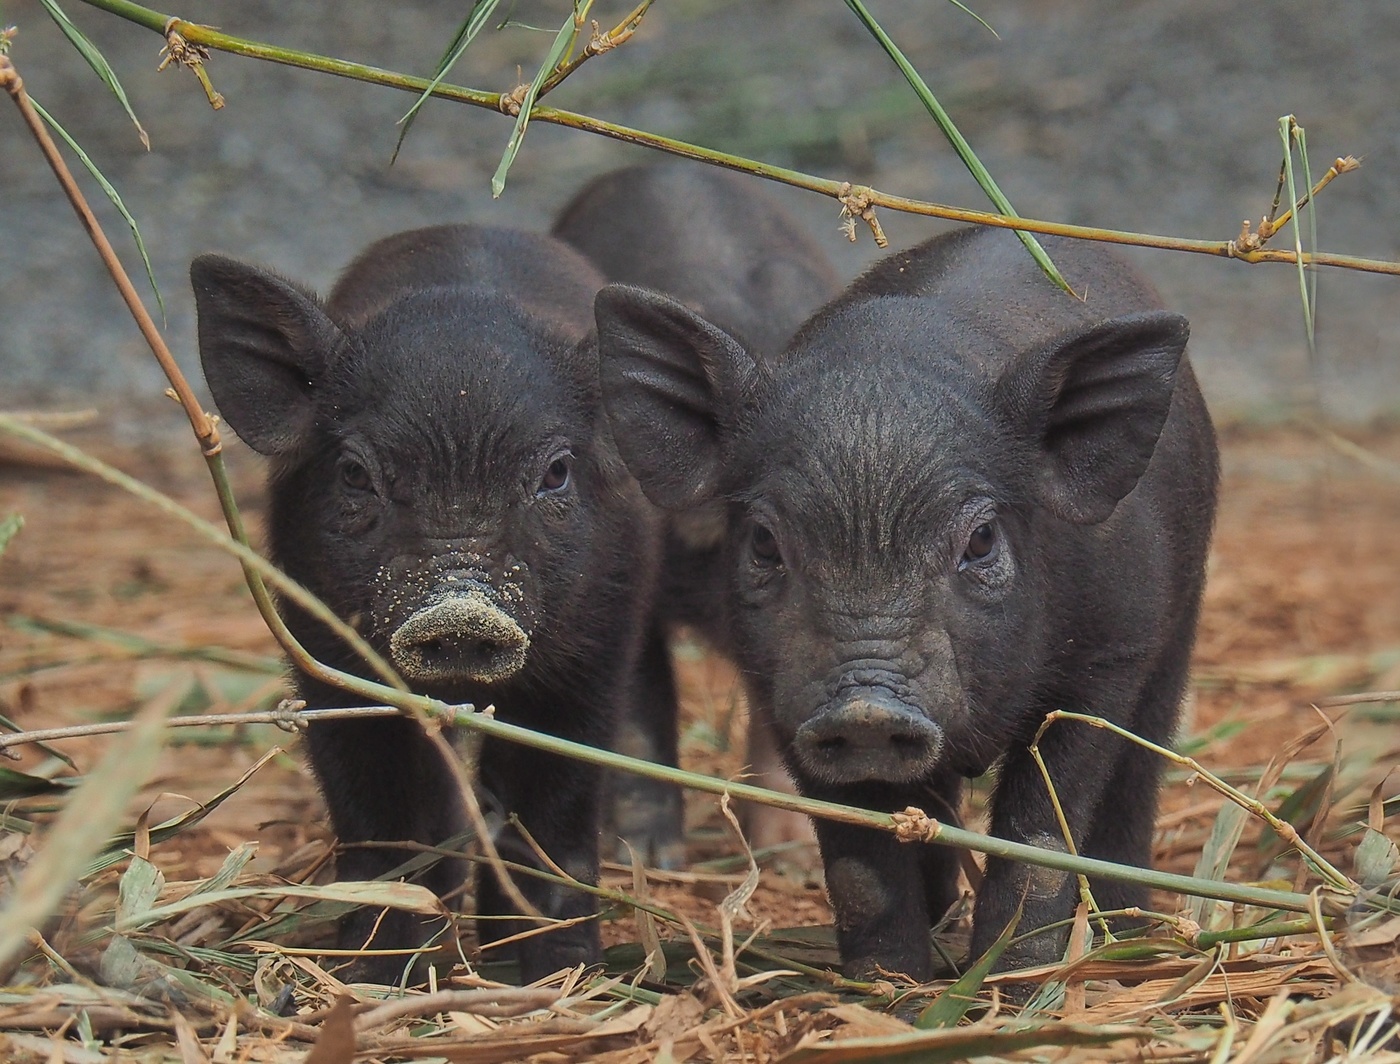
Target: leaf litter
[(203, 933)]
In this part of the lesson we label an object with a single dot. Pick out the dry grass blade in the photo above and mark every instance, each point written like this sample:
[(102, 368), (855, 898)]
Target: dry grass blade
[(89, 817), (960, 1044)]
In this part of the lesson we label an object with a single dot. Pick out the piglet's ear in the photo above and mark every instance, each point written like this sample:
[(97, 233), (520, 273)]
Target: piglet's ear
[(264, 343), (671, 385), (1097, 402)]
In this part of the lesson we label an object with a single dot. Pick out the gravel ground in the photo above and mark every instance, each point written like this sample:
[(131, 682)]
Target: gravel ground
[(1134, 114)]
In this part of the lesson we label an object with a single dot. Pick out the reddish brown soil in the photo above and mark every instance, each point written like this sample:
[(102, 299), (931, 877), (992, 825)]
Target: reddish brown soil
[(1302, 603)]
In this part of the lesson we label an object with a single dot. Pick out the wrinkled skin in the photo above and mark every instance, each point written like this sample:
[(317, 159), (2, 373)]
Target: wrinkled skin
[(441, 476), (960, 499), (719, 244)]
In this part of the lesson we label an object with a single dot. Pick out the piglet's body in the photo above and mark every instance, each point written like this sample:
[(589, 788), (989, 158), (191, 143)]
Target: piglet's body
[(959, 499), (441, 475), (727, 250)]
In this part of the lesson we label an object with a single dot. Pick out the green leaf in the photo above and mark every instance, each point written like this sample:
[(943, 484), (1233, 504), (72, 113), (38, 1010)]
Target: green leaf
[(112, 195), (9, 527), (15, 784), (98, 62), (1215, 855), (1376, 858), (948, 1009), (479, 15), (233, 865), (956, 139), (563, 42), (138, 889)]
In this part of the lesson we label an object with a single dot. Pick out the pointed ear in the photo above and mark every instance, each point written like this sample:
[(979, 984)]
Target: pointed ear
[(1097, 401), (264, 343), (672, 384)]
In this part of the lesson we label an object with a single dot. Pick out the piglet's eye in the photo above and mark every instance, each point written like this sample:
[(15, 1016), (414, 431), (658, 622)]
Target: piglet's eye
[(982, 546), (556, 476), (765, 546), (355, 476)]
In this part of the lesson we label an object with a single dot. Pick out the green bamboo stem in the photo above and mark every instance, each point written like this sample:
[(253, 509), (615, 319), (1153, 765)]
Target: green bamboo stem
[(214, 39), (1282, 828)]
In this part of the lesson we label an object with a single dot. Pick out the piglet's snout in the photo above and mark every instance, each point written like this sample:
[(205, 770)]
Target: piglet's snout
[(868, 734), (464, 635)]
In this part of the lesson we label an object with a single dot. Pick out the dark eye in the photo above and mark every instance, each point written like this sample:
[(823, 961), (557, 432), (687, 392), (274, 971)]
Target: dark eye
[(981, 546), (765, 546), (355, 476), (556, 477)]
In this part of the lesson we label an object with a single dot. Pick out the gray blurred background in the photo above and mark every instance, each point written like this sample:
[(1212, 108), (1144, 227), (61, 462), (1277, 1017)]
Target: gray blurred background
[(1135, 114)]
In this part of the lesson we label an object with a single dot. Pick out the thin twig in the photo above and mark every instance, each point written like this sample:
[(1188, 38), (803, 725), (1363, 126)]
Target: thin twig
[(1360, 699), (214, 39)]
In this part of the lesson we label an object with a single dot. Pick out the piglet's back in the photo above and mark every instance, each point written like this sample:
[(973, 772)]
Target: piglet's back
[(546, 277)]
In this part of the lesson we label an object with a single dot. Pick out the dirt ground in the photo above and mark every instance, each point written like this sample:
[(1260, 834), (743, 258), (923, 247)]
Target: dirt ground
[(1301, 604)]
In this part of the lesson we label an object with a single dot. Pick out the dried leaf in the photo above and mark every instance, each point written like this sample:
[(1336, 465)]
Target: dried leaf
[(336, 1042)]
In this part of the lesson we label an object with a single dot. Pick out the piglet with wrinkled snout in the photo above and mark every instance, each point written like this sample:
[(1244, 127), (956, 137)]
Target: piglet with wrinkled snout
[(442, 476), (958, 500)]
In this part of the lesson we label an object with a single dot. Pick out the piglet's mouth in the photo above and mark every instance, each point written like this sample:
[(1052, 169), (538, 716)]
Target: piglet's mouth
[(463, 636)]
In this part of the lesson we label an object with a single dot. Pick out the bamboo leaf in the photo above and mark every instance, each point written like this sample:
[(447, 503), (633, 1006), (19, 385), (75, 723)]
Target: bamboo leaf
[(1215, 855), (466, 33), (15, 784), (563, 41), (948, 1009), (117, 846), (112, 195), (1376, 858), (9, 528), (956, 139), (98, 62)]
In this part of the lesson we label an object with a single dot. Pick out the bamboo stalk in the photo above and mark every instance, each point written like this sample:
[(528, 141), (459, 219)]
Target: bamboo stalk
[(216, 40)]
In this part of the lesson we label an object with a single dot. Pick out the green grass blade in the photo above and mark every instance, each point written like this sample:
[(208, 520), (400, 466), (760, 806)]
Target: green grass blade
[(98, 62), (948, 1009), (111, 195), (968, 11), (479, 15), (563, 41), (9, 527), (956, 139)]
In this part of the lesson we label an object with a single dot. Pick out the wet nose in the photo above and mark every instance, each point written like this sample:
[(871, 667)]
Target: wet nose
[(462, 636), (868, 734)]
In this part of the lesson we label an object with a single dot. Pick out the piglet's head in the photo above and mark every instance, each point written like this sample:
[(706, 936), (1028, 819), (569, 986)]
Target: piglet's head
[(894, 487), (432, 467)]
